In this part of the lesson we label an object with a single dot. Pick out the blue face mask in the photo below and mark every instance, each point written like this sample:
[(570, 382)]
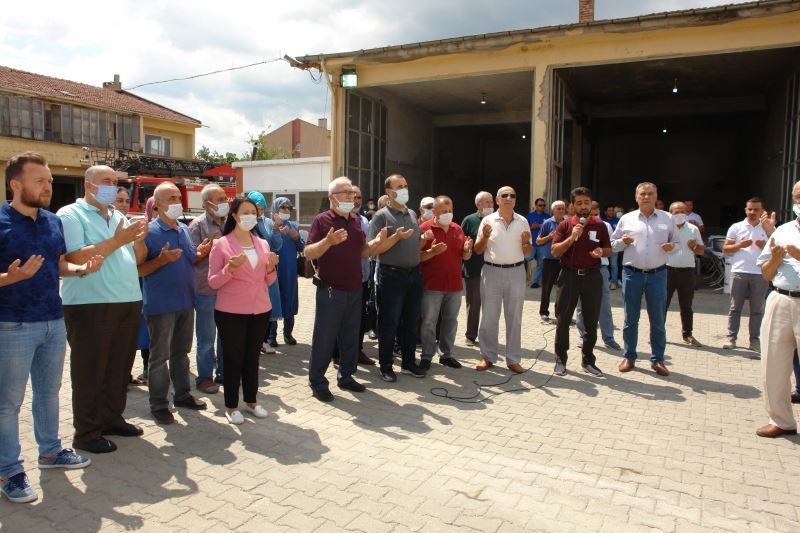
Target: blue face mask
[(106, 194)]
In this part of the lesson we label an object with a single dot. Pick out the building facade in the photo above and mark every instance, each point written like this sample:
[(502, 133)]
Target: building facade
[(299, 138)]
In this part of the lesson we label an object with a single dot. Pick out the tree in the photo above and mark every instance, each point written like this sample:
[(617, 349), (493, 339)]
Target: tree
[(205, 154), (259, 152)]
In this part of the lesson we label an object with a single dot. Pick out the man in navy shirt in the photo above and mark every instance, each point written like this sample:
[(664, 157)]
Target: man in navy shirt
[(168, 303), (535, 220), (32, 333)]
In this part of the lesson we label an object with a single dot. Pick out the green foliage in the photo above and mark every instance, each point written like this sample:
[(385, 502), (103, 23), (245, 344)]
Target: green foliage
[(262, 152)]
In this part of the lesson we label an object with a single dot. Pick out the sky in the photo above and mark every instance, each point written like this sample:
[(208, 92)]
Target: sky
[(152, 40)]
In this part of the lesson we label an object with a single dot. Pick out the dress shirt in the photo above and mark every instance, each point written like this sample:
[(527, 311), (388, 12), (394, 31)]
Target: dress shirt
[(787, 276), (682, 256), (648, 233)]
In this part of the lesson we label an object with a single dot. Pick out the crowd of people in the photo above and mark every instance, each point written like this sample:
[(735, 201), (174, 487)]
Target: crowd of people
[(109, 286)]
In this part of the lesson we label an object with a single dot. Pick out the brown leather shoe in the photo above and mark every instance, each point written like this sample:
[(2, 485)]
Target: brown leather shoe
[(484, 364), (626, 365), (363, 359), (660, 369), (771, 431), (516, 368)]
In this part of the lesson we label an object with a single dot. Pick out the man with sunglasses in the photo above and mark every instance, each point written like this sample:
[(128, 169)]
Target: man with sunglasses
[(504, 239)]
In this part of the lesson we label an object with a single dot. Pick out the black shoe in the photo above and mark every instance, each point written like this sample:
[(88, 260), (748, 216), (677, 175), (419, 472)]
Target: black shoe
[(163, 416), (560, 369), (424, 364), (220, 380), (413, 370), (535, 286), (190, 402), (388, 374), (352, 385), (452, 362), (125, 430), (323, 395), (95, 445), (288, 339), (593, 370), (471, 342), (273, 343)]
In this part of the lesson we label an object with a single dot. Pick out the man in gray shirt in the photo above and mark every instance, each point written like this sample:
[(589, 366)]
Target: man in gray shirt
[(399, 280)]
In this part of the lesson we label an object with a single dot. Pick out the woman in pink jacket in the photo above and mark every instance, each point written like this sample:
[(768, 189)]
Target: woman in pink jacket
[(240, 266)]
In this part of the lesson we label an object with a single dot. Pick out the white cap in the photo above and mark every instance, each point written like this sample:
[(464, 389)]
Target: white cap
[(425, 201)]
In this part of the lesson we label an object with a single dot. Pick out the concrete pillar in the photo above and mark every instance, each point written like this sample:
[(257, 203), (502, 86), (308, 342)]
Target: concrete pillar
[(539, 131)]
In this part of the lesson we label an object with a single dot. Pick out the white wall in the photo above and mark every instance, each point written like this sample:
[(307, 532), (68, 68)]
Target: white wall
[(301, 174)]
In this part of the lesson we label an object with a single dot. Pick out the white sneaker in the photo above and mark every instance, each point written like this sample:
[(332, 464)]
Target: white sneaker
[(235, 417), (257, 411), (267, 349)]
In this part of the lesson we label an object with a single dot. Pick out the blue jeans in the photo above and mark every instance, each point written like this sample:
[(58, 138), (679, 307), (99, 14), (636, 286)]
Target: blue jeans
[(206, 331), (288, 328), (538, 255), (606, 319), (654, 289), (35, 348), (399, 305), (613, 267)]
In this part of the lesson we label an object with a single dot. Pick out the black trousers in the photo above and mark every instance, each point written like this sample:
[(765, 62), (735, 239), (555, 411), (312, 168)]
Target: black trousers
[(363, 326), (550, 270), (472, 288), (102, 340), (589, 289), (241, 337), (682, 280)]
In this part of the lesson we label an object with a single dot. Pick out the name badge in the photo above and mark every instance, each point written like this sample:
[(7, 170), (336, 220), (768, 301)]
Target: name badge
[(663, 226), (593, 236)]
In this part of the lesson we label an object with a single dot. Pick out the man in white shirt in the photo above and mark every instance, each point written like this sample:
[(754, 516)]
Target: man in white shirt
[(744, 241), (504, 239), (692, 217), (780, 264), (680, 268), (645, 235)]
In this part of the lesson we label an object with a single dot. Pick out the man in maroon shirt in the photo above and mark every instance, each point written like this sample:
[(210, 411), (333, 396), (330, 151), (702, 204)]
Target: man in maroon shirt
[(440, 263), (337, 242), (580, 241)]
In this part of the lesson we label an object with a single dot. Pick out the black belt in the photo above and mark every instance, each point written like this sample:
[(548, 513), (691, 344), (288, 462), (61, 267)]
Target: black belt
[(581, 271), (680, 268), (793, 294), (399, 269), (651, 271), (504, 266)]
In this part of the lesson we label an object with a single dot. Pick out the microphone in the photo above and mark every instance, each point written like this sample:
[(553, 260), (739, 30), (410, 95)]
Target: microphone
[(582, 221)]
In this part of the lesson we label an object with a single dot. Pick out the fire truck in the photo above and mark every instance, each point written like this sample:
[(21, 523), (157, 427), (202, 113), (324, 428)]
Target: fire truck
[(140, 188)]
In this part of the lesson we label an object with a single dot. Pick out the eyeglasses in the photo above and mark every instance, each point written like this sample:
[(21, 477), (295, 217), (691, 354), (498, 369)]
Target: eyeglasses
[(508, 195), (344, 192)]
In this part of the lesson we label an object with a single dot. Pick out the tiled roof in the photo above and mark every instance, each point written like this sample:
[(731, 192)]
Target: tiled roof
[(83, 94)]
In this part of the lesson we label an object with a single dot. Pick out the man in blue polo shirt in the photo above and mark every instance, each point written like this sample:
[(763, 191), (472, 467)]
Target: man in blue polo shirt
[(32, 334), (535, 219), (169, 292)]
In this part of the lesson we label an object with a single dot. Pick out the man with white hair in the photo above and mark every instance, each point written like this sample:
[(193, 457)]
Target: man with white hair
[(169, 293), (102, 311), (551, 265), (471, 270), (780, 328), (337, 242), (204, 229)]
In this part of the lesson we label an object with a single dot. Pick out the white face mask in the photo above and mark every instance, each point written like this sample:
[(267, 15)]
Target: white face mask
[(427, 214), (486, 211), (247, 222), (796, 209), (221, 210), (679, 219), (284, 216), (402, 196), (174, 211), (618, 214), (445, 219), (345, 207)]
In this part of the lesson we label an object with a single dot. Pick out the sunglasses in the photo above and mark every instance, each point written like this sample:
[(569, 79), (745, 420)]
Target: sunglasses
[(508, 195)]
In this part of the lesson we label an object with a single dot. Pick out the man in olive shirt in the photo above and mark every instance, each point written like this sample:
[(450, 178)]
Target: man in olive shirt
[(399, 280), (471, 269)]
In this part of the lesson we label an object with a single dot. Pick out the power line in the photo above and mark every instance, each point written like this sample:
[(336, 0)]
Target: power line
[(207, 73)]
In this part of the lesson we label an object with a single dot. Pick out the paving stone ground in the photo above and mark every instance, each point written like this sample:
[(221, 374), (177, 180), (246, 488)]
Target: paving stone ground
[(632, 452)]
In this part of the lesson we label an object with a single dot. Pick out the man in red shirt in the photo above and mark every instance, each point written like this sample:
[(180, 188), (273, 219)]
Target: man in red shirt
[(580, 241), (440, 263)]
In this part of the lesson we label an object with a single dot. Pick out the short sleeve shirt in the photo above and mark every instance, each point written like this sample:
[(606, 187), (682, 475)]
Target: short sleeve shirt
[(405, 252), (340, 266), (35, 299), (170, 288), (536, 218), (682, 256), (117, 281), (787, 277), (472, 267), (548, 226), (505, 244), (744, 260), (595, 234), (443, 272)]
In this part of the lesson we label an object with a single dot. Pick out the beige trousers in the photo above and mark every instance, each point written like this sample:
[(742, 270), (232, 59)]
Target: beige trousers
[(780, 337)]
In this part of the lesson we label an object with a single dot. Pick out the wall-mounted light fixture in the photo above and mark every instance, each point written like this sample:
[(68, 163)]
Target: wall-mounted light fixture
[(349, 78), (675, 87), (483, 98)]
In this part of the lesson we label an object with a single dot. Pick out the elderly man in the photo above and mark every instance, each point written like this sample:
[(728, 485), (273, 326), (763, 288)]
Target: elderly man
[(504, 239), (551, 266), (744, 241), (399, 280), (780, 265), (645, 235), (122, 202), (440, 263), (204, 229), (101, 312), (337, 242), (484, 206), (681, 269), (426, 209), (32, 334), (169, 293)]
